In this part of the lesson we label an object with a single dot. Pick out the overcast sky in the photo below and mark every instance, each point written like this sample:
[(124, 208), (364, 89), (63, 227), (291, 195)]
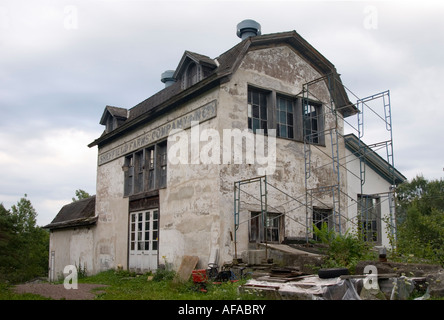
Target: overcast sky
[(63, 62)]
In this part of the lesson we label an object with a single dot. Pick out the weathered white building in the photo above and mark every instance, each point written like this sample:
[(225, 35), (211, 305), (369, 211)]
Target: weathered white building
[(371, 206), (183, 172)]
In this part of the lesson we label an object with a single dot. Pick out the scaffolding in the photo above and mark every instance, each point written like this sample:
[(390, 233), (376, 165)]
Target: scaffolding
[(326, 139)]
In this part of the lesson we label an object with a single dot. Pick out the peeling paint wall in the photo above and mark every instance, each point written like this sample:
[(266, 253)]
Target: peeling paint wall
[(72, 247), (282, 70), (188, 206), (196, 208)]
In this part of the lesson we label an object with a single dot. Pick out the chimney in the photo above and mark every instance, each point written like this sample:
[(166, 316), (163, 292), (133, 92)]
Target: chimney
[(248, 28), (167, 78)]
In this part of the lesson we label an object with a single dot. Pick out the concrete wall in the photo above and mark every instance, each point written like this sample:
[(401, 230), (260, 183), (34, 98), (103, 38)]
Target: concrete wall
[(196, 208), (189, 211), (71, 247), (111, 238), (282, 70)]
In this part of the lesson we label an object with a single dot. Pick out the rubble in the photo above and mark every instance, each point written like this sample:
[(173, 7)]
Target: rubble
[(393, 281)]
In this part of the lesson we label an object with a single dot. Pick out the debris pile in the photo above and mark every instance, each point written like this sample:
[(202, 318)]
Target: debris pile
[(284, 283)]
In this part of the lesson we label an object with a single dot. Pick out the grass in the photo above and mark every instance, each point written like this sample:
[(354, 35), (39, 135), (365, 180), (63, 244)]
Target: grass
[(123, 285), (6, 293)]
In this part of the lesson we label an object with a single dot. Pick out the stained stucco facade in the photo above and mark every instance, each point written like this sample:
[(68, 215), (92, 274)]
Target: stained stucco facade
[(192, 211)]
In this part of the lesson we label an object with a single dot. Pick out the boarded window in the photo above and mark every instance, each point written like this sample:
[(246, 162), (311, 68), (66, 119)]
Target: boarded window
[(146, 169), (162, 164), (128, 169), (192, 74)]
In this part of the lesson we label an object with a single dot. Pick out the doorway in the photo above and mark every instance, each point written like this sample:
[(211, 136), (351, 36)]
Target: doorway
[(143, 240)]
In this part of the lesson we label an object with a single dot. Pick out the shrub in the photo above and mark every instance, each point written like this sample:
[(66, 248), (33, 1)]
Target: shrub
[(342, 250)]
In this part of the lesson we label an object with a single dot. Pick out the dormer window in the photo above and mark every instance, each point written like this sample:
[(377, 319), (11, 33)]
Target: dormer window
[(191, 74), (110, 123), (113, 117), (192, 68)]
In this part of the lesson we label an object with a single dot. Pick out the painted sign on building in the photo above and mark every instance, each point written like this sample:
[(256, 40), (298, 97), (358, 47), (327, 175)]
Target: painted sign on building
[(201, 114)]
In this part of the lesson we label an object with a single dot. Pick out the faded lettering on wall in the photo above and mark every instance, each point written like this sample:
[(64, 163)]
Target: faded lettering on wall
[(201, 114)]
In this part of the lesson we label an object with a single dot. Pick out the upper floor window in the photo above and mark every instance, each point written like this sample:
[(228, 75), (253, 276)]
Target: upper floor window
[(191, 74), (146, 169), (286, 114), (257, 110), (312, 114), (285, 117)]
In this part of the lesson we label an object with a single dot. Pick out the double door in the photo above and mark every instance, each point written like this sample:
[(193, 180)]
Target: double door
[(143, 240)]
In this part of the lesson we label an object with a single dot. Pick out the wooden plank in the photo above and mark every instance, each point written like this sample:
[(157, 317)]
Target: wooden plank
[(186, 268)]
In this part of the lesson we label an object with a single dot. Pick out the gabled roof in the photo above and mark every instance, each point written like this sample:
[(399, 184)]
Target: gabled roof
[(197, 58), (116, 112), (374, 160), (227, 63), (76, 214)]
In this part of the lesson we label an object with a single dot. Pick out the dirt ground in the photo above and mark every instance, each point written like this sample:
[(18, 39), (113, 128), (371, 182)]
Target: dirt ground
[(58, 291)]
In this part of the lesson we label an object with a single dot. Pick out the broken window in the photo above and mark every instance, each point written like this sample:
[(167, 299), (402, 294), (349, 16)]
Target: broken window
[(270, 226), (322, 217), (267, 109), (145, 169), (369, 216), (312, 115)]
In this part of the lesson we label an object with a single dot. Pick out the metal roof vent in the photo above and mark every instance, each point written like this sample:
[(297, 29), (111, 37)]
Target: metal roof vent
[(248, 28), (167, 78)]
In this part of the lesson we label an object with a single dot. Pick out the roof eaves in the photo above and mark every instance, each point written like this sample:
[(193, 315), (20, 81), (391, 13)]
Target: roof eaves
[(379, 164), (161, 107), (75, 223)]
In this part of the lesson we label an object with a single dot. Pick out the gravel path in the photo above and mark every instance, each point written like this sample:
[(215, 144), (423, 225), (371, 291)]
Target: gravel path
[(58, 291)]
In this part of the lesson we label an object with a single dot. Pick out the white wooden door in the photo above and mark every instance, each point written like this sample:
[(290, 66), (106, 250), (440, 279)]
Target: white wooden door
[(143, 240)]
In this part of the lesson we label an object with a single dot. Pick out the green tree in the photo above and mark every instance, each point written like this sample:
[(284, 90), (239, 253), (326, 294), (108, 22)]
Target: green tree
[(23, 215), (420, 213), (81, 194), (23, 245)]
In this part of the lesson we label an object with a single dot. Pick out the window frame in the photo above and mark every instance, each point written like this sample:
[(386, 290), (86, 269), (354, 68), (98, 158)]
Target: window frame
[(272, 98), (266, 94), (143, 169), (370, 227), (316, 136), (278, 112), (272, 228), (321, 216)]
